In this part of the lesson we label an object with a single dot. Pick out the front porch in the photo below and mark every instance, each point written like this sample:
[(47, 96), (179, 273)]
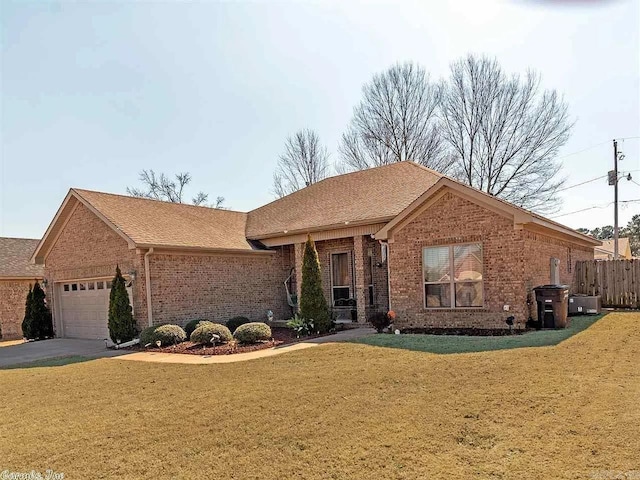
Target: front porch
[(354, 277)]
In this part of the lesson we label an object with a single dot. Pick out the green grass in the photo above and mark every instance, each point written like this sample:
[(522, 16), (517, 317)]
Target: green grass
[(466, 343), (49, 362)]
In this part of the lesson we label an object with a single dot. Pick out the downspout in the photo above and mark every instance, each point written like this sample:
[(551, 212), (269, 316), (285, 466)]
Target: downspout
[(147, 280)]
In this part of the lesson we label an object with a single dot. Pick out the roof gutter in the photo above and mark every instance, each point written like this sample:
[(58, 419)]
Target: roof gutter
[(15, 277), (147, 281), (566, 231), (175, 249), (321, 228)]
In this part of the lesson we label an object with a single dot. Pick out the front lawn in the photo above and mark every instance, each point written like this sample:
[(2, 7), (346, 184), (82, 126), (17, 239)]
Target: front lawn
[(346, 411), (468, 343)]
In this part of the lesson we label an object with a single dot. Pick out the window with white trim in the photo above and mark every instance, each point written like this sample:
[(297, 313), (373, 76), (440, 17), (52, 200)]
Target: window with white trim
[(453, 276)]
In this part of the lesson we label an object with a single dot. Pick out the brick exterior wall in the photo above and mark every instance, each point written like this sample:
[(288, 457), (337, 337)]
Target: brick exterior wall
[(183, 286), (13, 295), (219, 287), (539, 249), (450, 220), (88, 248), (377, 275), (514, 261)]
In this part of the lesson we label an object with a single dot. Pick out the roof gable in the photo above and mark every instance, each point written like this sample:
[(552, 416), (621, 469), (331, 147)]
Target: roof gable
[(152, 223), (368, 196), (519, 215)]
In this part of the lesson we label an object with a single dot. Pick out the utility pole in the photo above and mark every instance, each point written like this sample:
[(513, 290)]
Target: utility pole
[(615, 199)]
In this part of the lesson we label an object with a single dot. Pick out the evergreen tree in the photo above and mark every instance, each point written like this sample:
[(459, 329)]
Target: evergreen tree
[(37, 322), (41, 313), (27, 329), (122, 326), (313, 305)]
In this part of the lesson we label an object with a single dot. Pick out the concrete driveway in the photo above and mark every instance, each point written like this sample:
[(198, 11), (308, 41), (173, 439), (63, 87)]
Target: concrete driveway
[(12, 354)]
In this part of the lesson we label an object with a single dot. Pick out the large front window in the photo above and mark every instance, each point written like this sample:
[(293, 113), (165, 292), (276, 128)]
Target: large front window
[(453, 276)]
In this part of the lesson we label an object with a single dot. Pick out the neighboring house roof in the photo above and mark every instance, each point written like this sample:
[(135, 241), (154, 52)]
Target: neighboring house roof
[(15, 255), (367, 196), (607, 249)]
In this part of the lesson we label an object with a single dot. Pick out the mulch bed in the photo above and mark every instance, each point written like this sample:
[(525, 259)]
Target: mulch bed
[(279, 336)]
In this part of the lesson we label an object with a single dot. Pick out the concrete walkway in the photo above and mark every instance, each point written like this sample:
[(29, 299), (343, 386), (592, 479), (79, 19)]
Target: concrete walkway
[(20, 352), (160, 357)]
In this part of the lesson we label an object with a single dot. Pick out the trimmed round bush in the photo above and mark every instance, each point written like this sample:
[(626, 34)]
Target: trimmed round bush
[(192, 325), (169, 335), (252, 332), (146, 335), (206, 330), (235, 322)]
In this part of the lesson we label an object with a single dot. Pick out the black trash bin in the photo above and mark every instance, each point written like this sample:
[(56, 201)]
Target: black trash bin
[(553, 305)]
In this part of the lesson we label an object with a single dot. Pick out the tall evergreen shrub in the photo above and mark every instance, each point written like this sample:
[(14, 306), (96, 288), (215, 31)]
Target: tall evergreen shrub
[(313, 305), (37, 322), (122, 326)]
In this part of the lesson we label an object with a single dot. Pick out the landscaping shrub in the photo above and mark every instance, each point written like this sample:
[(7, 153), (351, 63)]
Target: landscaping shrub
[(205, 331), (235, 322), (313, 305), (168, 335), (301, 326), (380, 321), (252, 332), (122, 326), (192, 325), (37, 322), (146, 335)]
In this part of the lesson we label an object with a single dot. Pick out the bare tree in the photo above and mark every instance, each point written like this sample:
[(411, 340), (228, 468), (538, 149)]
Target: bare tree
[(304, 161), (161, 187), (396, 120), (504, 132)]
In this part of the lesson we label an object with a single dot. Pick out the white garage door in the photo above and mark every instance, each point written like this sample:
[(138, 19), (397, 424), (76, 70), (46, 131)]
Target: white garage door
[(84, 308)]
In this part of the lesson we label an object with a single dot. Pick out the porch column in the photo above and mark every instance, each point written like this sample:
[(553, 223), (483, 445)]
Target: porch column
[(298, 250), (358, 262)]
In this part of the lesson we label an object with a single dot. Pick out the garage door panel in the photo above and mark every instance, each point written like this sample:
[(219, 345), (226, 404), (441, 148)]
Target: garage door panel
[(85, 311)]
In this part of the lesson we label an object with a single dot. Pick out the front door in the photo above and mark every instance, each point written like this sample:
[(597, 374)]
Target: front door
[(340, 277)]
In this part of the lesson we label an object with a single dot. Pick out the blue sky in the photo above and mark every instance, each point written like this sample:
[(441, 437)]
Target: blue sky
[(93, 92)]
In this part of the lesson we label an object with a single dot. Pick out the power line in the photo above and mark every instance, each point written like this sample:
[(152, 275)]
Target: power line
[(582, 210), (594, 146), (583, 150), (594, 207), (582, 183)]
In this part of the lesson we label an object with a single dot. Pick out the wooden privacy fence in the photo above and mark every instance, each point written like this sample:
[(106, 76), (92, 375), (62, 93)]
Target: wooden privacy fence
[(616, 281)]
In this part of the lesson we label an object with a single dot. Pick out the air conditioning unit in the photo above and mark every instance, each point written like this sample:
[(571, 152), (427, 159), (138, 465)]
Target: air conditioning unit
[(584, 305)]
